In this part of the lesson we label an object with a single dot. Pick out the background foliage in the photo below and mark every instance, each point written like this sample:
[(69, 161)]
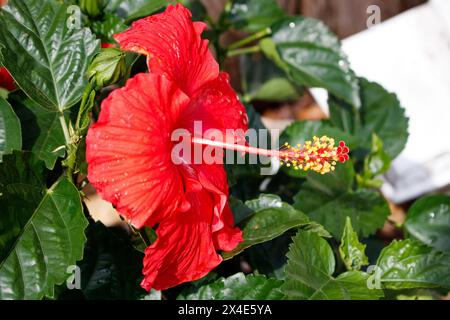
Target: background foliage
[(307, 236)]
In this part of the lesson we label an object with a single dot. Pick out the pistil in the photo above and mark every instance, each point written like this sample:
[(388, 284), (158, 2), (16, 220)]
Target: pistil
[(319, 155)]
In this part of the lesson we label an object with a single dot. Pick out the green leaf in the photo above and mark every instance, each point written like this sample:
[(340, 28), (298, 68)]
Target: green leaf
[(42, 230), (343, 115), (375, 164), (239, 209), (108, 27), (253, 15), (10, 130), (142, 238), (311, 54), (271, 218), (135, 9), (380, 113), (269, 258), (409, 264), (309, 273), (263, 80), (351, 250), (43, 135), (428, 221), (152, 295), (415, 294), (301, 131), (404, 297), (46, 58), (267, 201), (147, 9), (111, 268), (378, 161), (123, 8), (238, 287), (329, 199)]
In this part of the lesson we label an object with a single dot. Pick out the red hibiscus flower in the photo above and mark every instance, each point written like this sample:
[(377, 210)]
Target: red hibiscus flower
[(129, 149), (106, 45), (6, 81)]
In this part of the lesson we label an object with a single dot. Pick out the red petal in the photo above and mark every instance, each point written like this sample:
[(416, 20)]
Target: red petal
[(108, 45), (174, 47), (217, 106), (6, 81), (228, 237), (129, 150), (214, 179), (184, 250)]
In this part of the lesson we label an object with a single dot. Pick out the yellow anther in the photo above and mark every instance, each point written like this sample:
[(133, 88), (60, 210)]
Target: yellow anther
[(319, 155)]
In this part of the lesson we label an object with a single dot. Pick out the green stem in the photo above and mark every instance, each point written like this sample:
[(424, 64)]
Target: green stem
[(249, 39), (238, 52), (64, 127), (69, 168)]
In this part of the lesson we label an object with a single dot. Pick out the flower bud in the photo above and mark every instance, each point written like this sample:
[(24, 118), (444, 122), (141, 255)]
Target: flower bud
[(107, 67), (6, 81), (92, 8)]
